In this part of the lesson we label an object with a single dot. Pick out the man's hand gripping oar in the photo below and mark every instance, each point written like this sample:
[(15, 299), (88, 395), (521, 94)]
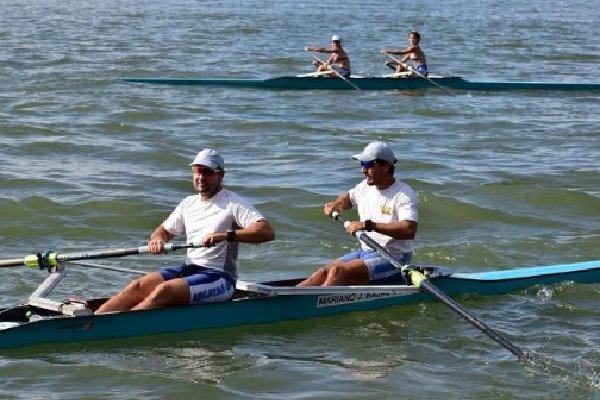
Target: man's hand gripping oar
[(418, 279)]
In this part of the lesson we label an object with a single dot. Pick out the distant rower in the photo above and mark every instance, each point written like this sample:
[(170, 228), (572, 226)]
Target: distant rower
[(412, 53), (337, 61)]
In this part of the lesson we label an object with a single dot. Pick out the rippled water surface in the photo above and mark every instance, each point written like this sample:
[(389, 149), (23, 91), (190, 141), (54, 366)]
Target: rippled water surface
[(504, 179)]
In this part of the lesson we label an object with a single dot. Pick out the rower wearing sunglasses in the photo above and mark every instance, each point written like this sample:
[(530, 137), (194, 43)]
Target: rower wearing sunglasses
[(388, 212)]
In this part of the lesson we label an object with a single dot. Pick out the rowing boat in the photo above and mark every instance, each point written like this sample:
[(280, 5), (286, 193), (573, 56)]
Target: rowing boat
[(44, 321), (368, 83)]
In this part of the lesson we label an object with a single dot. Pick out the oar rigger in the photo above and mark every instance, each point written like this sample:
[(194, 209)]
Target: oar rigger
[(46, 260)]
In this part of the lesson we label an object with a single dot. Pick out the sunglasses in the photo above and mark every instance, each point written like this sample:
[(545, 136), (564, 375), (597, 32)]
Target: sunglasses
[(368, 164), (201, 170)]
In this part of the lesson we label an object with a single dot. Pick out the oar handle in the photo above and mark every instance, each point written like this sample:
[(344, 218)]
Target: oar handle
[(50, 259), (370, 242), (395, 59)]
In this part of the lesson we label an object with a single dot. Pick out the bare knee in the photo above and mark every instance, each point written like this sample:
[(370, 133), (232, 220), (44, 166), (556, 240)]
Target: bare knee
[(321, 273), (135, 285), (166, 294), (336, 273), (160, 295)]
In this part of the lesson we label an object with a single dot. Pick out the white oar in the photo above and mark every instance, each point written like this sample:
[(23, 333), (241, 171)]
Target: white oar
[(418, 73), (336, 73), (50, 259), (421, 281)]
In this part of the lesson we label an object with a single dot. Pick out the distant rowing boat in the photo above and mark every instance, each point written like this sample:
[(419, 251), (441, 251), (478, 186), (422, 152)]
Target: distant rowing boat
[(45, 321), (365, 83)]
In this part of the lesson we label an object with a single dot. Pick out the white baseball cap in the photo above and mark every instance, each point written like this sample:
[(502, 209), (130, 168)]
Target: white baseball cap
[(209, 158), (335, 38), (376, 151)]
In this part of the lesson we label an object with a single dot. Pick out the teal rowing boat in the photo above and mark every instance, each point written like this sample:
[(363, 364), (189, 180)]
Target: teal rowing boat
[(365, 83), (44, 321)]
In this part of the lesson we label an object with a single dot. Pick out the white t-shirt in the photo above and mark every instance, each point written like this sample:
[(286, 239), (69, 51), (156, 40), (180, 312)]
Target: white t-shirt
[(396, 203), (197, 218)]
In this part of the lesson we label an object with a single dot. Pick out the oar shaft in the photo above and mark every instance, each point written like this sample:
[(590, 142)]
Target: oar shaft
[(33, 260), (431, 288), (497, 337)]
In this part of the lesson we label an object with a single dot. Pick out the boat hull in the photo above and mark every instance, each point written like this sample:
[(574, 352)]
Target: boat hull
[(253, 309), (372, 83)]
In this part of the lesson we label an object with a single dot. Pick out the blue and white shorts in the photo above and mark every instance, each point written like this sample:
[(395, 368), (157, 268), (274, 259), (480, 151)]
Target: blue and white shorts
[(207, 285), (381, 271), (342, 71), (422, 69)]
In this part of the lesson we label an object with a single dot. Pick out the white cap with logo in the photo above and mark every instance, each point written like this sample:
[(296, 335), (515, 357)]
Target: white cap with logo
[(209, 158), (335, 38), (376, 151)]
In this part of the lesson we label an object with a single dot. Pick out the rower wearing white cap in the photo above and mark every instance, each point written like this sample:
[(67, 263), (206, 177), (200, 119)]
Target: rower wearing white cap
[(388, 213), (217, 218), (338, 60)]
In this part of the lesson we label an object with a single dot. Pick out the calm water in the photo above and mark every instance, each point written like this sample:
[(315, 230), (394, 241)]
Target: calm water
[(504, 180)]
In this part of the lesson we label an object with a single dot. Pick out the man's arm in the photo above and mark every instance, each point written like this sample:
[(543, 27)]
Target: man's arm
[(395, 52), (257, 232), (320, 49), (158, 238), (341, 203), (401, 230)]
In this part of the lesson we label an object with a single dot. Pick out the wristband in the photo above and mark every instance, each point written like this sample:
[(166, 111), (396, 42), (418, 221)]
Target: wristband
[(230, 235), (369, 225)]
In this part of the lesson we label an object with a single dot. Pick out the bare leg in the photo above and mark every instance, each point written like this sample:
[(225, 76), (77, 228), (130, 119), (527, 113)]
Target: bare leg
[(353, 272), (169, 293), (134, 293), (319, 276), (339, 272), (392, 65)]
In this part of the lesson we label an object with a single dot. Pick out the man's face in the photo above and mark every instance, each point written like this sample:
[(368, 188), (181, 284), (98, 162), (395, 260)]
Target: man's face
[(207, 180), (374, 171)]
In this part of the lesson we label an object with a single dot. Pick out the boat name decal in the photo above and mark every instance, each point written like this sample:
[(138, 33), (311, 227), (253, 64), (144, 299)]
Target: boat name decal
[(347, 298)]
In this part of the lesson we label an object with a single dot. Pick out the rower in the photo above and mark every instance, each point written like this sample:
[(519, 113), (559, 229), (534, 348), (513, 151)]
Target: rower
[(219, 219), (388, 212), (338, 61), (412, 54)]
